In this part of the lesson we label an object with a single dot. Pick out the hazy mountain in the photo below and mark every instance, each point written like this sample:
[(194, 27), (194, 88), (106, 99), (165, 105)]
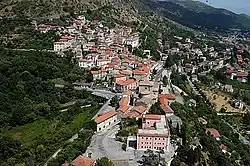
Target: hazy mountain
[(199, 15)]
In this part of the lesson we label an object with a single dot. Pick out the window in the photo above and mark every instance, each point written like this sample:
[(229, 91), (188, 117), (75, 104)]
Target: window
[(155, 138), (141, 137), (109, 123), (104, 126), (141, 146), (159, 138), (163, 138), (148, 122), (141, 142), (99, 128), (146, 137), (114, 120)]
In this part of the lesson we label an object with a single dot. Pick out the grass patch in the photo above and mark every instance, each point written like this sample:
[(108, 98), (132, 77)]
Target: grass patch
[(29, 134)]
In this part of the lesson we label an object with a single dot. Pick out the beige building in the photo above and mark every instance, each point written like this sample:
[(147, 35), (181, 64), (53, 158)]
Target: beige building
[(106, 120)]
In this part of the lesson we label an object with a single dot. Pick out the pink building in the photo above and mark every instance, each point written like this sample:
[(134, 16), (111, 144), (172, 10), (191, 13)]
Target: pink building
[(155, 133), (129, 84)]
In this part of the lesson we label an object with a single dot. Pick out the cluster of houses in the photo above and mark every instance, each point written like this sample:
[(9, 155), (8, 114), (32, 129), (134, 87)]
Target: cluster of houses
[(83, 36)]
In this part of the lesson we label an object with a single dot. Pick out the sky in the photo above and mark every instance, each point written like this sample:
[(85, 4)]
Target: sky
[(237, 6)]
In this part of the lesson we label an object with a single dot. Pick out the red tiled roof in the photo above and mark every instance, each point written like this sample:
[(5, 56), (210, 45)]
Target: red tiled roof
[(139, 72), (213, 132), (167, 109), (140, 109), (131, 115), (118, 75), (223, 147), (146, 83), (126, 82), (65, 164), (123, 108), (105, 116), (82, 161), (163, 99), (127, 92), (152, 116), (241, 74), (124, 101)]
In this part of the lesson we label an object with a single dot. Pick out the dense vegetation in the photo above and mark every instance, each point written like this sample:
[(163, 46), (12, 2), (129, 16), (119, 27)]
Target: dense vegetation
[(32, 125), (191, 128)]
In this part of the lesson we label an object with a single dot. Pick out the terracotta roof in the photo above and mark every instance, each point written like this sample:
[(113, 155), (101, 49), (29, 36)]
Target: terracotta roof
[(223, 147), (146, 83), (167, 109), (152, 116), (94, 72), (168, 96), (124, 101), (105, 116), (82, 161), (241, 74), (118, 75), (131, 114), (127, 72), (127, 92), (123, 108), (127, 82), (213, 132), (126, 61), (139, 109), (139, 72), (163, 99)]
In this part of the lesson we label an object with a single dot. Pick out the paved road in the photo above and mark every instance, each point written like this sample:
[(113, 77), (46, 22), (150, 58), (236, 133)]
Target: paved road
[(104, 144), (102, 109)]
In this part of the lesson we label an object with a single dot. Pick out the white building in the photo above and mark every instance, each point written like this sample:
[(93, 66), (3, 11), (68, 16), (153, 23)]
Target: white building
[(133, 41), (106, 120), (86, 63)]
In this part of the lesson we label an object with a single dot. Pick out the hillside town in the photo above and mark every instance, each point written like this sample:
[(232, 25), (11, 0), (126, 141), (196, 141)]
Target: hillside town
[(89, 89), (137, 83)]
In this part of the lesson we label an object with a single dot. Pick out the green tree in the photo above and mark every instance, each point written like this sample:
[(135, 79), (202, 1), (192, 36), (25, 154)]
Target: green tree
[(104, 161), (151, 158)]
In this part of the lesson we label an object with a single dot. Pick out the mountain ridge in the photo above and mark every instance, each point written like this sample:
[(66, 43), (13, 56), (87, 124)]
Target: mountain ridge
[(188, 11)]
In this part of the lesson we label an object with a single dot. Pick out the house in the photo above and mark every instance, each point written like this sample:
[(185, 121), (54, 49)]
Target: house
[(106, 120), (86, 63), (125, 85), (139, 74), (118, 78), (133, 41), (202, 121), (228, 88), (213, 132), (155, 133), (168, 110), (238, 104), (135, 112), (146, 85), (223, 148), (83, 161)]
